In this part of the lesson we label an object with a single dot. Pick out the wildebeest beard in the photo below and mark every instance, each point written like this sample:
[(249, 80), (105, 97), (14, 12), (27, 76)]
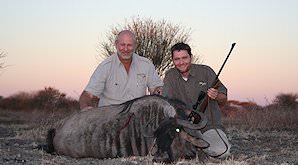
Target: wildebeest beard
[(119, 131), (165, 135)]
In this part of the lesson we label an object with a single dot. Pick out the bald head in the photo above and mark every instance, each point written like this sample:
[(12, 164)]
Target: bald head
[(126, 33)]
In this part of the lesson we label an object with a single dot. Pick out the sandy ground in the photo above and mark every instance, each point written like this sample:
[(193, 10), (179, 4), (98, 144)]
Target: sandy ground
[(18, 139)]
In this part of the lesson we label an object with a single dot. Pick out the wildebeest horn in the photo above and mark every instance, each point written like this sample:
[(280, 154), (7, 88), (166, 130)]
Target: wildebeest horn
[(202, 123)]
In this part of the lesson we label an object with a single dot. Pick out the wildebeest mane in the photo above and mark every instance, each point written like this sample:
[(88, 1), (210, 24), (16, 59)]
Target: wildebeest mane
[(179, 105)]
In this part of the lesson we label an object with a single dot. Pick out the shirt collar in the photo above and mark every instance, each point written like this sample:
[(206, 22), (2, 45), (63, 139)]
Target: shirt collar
[(192, 73)]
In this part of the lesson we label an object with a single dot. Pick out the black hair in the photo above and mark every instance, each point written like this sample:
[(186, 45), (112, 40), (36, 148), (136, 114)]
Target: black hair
[(181, 46)]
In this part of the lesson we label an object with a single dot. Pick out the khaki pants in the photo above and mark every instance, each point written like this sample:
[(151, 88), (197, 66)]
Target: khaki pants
[(217, 146)]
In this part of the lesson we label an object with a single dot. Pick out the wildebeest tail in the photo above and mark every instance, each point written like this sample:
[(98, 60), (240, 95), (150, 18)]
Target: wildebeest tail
[(48, 146), (50, 138)]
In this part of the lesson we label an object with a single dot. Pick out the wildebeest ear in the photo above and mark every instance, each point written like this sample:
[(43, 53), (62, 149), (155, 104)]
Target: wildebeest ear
[(198, 142)]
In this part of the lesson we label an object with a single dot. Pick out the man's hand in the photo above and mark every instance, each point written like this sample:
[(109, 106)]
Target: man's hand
[(86, 108), (215, 95), (212, 93), (88, 100), (157, 91)]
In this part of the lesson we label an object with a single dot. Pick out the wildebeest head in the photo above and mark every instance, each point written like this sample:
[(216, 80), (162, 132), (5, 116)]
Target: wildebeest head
[(182, 127)]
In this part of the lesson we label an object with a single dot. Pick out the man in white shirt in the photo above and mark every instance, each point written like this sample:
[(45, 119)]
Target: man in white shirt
[(121, 77)]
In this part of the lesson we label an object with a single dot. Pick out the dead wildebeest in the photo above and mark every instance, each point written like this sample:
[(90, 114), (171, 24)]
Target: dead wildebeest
[(129, 129)]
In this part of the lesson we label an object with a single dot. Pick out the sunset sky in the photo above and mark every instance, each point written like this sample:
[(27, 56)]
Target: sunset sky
[(54, 42)]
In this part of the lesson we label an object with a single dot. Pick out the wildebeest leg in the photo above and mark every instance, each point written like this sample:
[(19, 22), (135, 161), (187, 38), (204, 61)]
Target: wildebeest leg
[(163, 153), (165, 135)]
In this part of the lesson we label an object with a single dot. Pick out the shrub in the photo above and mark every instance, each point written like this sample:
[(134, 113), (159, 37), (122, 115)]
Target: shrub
[(21, 100), (47, 99), (289, 101)]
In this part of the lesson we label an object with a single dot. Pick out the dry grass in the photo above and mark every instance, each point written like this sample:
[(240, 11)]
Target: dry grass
[(255, 136), (31, 124), (263, 119)]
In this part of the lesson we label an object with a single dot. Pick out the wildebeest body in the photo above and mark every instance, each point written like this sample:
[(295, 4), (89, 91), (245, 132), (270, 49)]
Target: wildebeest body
[(111, 131)]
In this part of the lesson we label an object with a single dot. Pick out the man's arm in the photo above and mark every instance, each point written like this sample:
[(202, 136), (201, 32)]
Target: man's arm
[(87, 100)]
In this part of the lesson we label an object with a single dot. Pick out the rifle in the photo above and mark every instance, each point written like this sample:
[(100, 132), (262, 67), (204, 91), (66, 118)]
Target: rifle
[(202, 100)]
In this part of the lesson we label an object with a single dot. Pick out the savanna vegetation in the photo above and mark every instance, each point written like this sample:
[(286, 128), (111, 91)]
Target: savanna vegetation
[(48, 98), (259, 134)]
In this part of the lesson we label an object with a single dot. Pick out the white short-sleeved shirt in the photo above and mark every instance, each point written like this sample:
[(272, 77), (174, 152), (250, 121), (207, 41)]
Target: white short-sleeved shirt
[(111, 83)]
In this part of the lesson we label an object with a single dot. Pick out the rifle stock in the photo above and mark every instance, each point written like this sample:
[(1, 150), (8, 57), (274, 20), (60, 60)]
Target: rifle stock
[(204, 102)]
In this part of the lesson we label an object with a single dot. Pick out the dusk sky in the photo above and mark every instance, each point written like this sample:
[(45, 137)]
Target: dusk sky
[(54, 42)]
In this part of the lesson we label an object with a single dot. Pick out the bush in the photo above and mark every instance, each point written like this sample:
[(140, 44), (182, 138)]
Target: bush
[(21, 100), (288, 101), (47, 99)]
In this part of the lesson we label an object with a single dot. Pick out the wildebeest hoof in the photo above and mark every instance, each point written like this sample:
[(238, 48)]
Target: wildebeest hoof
[(161, 157)]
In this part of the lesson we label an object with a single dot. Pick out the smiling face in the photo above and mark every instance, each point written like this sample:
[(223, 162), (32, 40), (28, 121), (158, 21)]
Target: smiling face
[(125, 45), (182, 61)]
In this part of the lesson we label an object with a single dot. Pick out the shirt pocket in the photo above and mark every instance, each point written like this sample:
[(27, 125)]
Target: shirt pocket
[(113, 86), (141, 79)]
